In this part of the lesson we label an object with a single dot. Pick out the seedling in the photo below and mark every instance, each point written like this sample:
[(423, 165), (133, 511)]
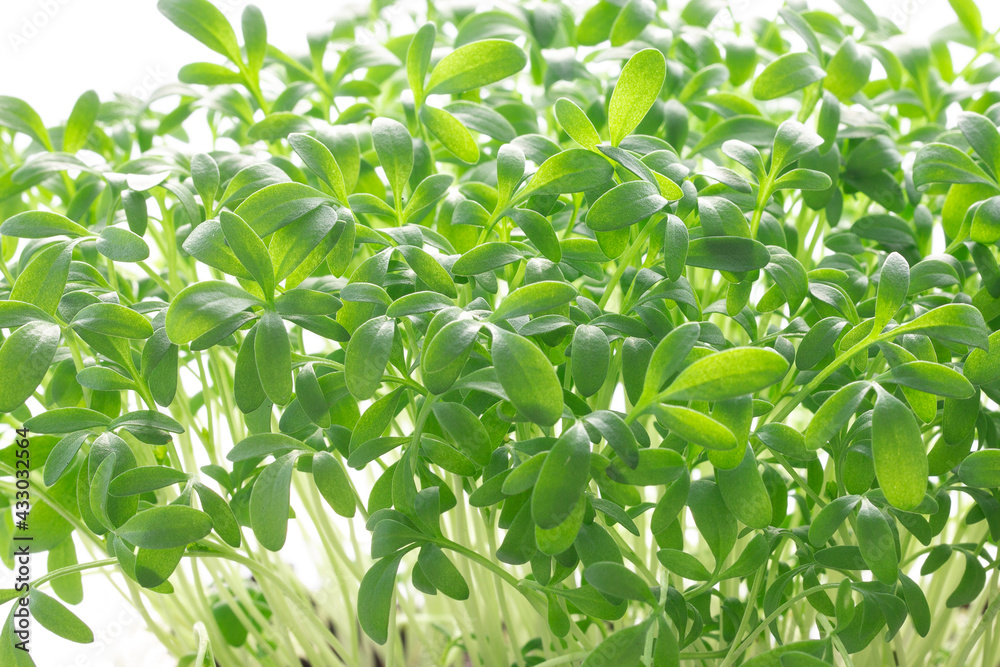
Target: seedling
[(627, 337)]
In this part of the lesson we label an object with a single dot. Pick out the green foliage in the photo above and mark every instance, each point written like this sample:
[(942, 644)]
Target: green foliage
[(640, 337)]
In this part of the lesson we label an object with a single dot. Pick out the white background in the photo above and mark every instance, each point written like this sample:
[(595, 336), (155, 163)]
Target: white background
[(53, 50)]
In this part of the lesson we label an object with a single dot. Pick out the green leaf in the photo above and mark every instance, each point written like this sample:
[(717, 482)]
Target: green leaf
[(899, 452), (616, 581), (969, 16), (849, 69), (41, 225), (591, 357), (916, 604), (727, 253), (112, 319), (792, 141), (62, 456), (260, 445), (527, 377), (986, 222), (785, 440), (223, 520), (122, 245), (451, 133), (670, 504), (43, 281), (310, 396), (803, 179), (637, 88), (669, 355), (675, 246), (249, 250), (727, 374), (562, 479), (55, 617), (631, 21), (442, 573), (624, 205), (333, 484), (714, 521), (320, 160), (566, 172), (25, 357), (208, 74), (205, 176), (653, 467), (942, 163), (576, 124), (834, 413), (830, 518), (199, 308), (475, 65), (99, 484), (201, 20), (14, 314), (984, 138), (696, 427), (711, 76), (144, 479), (107, 448), (982, 366), (876, 542), (744, 492), (429, 270), (466, 430), (66, 420), (166, 527), (862, 12), (254, 36), (972, 583), (146, 419), (617, 434), (787, 74), (418, 58), (752, 557), (539, 231), (981, 469), (533, 298), (746, 155), (269, 502), (929, 377), (955, 322), (247, 390), (416, 303), (389, 536), (20, 117), (68, 587), (307, 302), (367, 356), (800, 659), (273, 356), (486, 257), (683, 564), (394, 148), (375, 598), (894, 282), (557, 540)]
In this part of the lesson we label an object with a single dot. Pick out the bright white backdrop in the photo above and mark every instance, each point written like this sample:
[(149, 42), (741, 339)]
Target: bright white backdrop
[(53, 50)]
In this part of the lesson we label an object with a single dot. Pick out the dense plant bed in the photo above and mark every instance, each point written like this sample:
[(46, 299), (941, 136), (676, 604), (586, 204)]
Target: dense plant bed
[(629, 336)]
